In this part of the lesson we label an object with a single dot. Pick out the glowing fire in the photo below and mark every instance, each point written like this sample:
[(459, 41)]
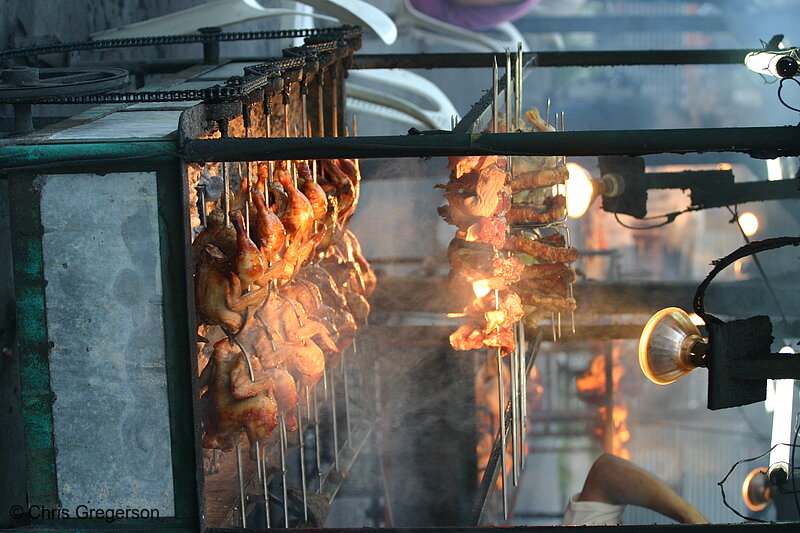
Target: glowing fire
[(592, 388), (481, 287)]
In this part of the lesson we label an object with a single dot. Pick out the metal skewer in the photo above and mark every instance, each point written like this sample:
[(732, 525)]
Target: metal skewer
[(495, 96), (508, 92), (335, 423), (334, 101), (547, 114), (226, 179), (511, 86), (502, 429), (501, 425), (518, 90), (316, 442), (282, 435), (523, 373), (301, 435), (241, 482), (262, 477), (347, 395)]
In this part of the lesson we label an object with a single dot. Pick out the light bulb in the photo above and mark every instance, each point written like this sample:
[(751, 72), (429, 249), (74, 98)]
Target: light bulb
[(580, 191), (749, 223)]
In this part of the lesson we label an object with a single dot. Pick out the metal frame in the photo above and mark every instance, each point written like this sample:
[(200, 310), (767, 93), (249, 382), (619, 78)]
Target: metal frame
[(23, 161)]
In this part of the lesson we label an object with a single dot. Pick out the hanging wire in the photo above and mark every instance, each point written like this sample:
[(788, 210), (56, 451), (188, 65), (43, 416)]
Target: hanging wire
[(780, 98), (735, 214), (721, 483), (669, 216)]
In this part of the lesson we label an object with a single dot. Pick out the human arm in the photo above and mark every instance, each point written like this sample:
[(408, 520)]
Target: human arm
[(619, 482)]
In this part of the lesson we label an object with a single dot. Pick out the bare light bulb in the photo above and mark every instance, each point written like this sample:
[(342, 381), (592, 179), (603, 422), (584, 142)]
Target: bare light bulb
[(749, 223), (580, 191)]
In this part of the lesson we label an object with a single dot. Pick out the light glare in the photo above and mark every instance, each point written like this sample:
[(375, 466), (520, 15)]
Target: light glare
[(749, 223), (580, 191)]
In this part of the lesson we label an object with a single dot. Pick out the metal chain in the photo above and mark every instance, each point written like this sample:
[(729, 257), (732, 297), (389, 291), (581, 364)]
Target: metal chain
[(321, 40), (346, 31)]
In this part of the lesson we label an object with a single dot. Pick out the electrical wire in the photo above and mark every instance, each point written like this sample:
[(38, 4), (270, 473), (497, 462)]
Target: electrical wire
[(780, 98), (721, 483), (669, 216), (735, 213)]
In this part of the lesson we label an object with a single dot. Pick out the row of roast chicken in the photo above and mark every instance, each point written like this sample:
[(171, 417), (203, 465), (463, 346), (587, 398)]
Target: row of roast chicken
[(279, 294), (502, 272)]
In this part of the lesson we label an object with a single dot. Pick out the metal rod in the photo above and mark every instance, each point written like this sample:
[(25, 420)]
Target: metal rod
[(282, 435), (495, 91), (263, 467), (301, 435), (514, 397), (518, 87), (226, 179), (346, 396), (502, 430), (335, 423), (318, 456), (767, 142), (555, 59), (241, 482), (524, 389), (321, 103), (508, 90), (547, 113), (334, 101)]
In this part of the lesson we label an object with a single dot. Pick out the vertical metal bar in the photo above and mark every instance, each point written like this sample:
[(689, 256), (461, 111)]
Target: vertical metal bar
[(282, 435), (508, 91), (226, 180), (495, 96), (321, 103), (301, 435), (514, 416), (316, 442), (241, 482), (286, 90), (518, 90), (570, 293), (335, 100), (502, 429), (547, 113), (334, 421), (263, 466), (523, 372), (346, 396)]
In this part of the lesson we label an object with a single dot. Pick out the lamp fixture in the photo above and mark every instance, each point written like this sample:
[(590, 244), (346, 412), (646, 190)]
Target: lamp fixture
[(670, 346), (777, 63), (736, 353), (757, 490)]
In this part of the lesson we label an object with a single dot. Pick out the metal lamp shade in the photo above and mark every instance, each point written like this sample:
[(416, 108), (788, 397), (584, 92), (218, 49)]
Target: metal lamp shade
[(756, 490), (665, 346)]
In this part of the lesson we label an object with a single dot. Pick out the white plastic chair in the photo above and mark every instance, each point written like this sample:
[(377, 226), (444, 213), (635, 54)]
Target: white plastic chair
[(379, 102), (432, 30), (227, 12)]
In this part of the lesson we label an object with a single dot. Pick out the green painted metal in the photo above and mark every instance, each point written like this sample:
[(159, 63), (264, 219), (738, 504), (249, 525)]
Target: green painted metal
[(52, 156), (179, 334), (37, 400)]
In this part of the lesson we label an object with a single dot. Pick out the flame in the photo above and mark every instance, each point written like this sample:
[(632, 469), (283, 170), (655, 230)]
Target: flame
[(621, 434), (481, 288), (592, 386), (455, 315), (594, 379)]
